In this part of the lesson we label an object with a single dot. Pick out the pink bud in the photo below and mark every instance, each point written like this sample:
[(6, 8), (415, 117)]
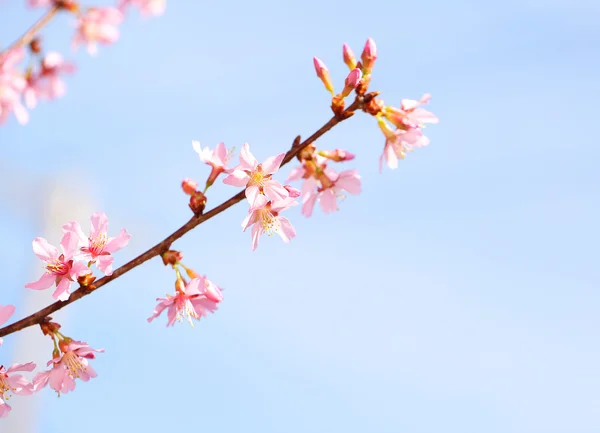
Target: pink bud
[(292, 191), (369, 55), (352, 81), (337, 155), (349, 58), (323, 73), (189, 186)]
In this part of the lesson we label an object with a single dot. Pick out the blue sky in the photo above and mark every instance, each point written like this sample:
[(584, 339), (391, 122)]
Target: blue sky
[(457, 293)]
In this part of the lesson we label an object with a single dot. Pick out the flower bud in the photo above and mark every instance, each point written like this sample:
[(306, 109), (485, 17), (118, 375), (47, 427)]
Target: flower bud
[(368, 56), (49, 328), (69, 5), (349, 58), (293, 192), (189, 186), (352, 81), (337, 155), (197, 202), (337, 105), (86, 281), (323, 74), (35, 45), (171, 257)]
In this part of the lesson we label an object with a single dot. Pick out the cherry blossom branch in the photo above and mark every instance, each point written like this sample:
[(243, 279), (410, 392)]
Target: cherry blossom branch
[(28, 36), (41, 316)]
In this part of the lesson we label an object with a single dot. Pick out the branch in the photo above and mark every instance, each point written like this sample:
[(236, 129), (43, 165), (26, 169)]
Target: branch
[(30, 34), (40, 316)]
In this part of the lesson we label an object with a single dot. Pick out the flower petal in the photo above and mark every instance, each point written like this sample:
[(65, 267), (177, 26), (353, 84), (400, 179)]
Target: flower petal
[(45, 281), (272, 163), (99, 224), (6, 312), (121, 240), (43, 249)]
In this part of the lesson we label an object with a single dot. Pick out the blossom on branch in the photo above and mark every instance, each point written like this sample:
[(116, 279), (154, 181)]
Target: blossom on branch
[(264, 217), (332, 186), (60, 269), (216, 158), (97, 25), (47, 84), (13, 384), (146, 7), (12, 85)]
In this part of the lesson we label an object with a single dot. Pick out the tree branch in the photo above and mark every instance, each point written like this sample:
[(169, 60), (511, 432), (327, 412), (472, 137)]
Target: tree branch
[(195, 221), (30, 34)]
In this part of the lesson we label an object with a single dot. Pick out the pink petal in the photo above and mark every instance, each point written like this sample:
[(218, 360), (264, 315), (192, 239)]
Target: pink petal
[(247, 160), (287, 231), (62, 290), (4, 409), (193, 287), (20, 385), (44, 250), (252, 193), (257, 230), (259, 203), (296, 173), (160, 308), (275, 191), (221, 154), (237, 178), (78, 269), (30, 366), (309, 204), (70, 245), (6, 312), (328, 201), (45, 281), (99, 224), (250, 219), (272, 163), (75, 228), (350, 181), (118, 242), (104, 264)]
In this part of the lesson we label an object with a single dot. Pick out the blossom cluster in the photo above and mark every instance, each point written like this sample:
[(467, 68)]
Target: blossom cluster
[(41, 80)]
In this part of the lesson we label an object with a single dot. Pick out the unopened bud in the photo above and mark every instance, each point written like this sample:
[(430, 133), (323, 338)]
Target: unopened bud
[(363, 85), (189, 186), (197, 202), (368, 56), (349, 58), (171, 257), (374, 106), (337, 155), (293, 192), (86, 281), (49, 328), (323, 74), (35, 45), (337, 105), (352, 80), (69, 5)]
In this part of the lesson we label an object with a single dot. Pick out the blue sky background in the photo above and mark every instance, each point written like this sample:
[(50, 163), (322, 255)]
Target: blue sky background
[(458, 293)]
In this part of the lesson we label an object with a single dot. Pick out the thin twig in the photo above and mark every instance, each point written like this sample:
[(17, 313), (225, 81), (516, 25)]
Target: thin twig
[(30, 34), (164, 245)]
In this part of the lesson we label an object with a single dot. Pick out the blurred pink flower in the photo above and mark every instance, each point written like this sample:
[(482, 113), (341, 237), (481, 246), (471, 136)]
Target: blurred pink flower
[(97, 25), (47, 83), (98, 247), (264, 216), (6, 312), (348, 181), (257, 178), (217, 158), (72, 364), (60, 268), (39, 3), (12, 85), (198, 298), (13, 383), (146, 7)]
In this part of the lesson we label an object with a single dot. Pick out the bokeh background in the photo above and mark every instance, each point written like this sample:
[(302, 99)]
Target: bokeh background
[(458, 293)]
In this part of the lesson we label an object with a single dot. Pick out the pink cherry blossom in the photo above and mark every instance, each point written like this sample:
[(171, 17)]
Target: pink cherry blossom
[(6, 312), (13, 384), (348, 181), (97, 25), (257, 178), (146, 7), (61, 269), (39, 3), (264, 217), (12, 85), (98, 247), (72, 364), (198, 298), (47, 83), (217, 158), (397, 146)]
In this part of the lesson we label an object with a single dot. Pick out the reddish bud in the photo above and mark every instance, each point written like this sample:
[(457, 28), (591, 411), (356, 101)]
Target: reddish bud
[(373, 106), (323, 74), (69, 5), (189, 186), (49, 328), (337, 155), (352, 80), (171, 257), (337, 105), (86, 281), (349, 58), (35, 45), (368, 56), (197, 202)]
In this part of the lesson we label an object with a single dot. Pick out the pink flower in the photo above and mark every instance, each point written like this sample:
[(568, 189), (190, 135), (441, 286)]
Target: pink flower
[(5, 313), (348, 181), (264, 216), (12, 85), (60, 268), (198, 298), (98, 247), (39, 3), (97, 25), (47, 84), (257, 178), (72, 364), (217, 159), (399, 144), (13, 383), (146, 7), (409, 115)]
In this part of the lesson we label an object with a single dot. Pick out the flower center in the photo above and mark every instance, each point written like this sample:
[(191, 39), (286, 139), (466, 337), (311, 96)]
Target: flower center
[(257, 178), (97, 244), (270, 224), (57, 268), (185, 310), (5, 388), (74, 364)]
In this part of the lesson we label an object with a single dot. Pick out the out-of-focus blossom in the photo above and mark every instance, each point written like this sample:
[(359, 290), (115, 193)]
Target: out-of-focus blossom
[(264, 217), (12, 86), (13, 384), (257, 178), (60, 269), (98, 247), (72, 364), (329, 192), (97, 25), (47, 83), (146, 7), (6, 312), (192, 301)]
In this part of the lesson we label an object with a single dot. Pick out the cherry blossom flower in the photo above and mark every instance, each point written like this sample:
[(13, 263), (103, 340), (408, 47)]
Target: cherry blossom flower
[(146, 7), (264, 217), (257, 178), (61, 269), (6, 312), (12, 85), (13, 383), (216, 158), (72, 364), (327, 195), (39, 3), (409, 115), (97, 25), (47, 83), (98, 247), (192, 301), (398, 143)]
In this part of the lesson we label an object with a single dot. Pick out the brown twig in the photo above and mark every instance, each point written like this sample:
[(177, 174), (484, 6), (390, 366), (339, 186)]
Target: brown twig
[(39, 317), (28, 36)]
